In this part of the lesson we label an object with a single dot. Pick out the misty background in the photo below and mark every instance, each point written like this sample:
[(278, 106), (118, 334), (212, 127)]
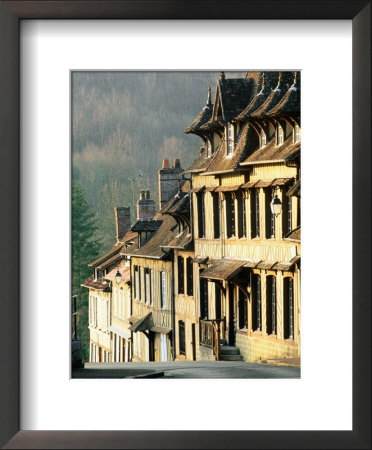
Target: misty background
[(123, 125)]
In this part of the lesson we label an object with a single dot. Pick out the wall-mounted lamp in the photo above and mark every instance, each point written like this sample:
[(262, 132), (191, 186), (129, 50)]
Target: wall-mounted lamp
[(276, 204), (118, 277)]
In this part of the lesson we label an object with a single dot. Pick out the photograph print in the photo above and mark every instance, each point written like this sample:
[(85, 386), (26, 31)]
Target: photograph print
[(186, 224)]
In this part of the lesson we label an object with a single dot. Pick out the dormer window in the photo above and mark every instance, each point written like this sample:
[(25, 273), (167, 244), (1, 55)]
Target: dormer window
[(262, 138), (230, 138), (297, 133), (209, 148), (279, 135)]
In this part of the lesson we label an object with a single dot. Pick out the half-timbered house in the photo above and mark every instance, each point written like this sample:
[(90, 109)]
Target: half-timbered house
[(247, 256)]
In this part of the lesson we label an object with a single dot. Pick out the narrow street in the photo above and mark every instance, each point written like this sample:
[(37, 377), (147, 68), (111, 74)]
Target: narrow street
[(187, 369)]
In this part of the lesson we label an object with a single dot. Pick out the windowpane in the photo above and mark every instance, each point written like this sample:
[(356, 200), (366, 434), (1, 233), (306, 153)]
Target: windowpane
[(288, 308), (287, 214), (218, 301), (241, 215), (255, 212), (182, 337), (163, 292), (270, 218), (242, 310), (217, 216), (280, 135), (189, 270), (230, 138), (270, 305), (262, 138), (256, 302), (230, 215), (181, 289), (203, 298), (201, 228)]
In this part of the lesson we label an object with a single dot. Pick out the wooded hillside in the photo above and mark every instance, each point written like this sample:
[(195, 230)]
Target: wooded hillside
[(123, 124)]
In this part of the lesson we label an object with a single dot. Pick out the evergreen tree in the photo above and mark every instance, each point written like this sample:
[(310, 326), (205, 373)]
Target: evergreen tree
[(85, 249)]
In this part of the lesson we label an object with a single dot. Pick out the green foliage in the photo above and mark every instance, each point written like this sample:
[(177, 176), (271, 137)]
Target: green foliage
[(85, 249)]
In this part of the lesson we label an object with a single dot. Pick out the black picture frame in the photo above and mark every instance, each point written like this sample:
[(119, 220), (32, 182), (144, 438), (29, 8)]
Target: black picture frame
[(11, 12)]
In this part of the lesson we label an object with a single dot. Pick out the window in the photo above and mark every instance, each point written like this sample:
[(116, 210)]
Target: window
[(279, 135), (270, 305), (182, 337), (203, 298), (262, 138), (230, 215), (140, 283), (243, 317), (216, 216), (217, 292), (256, 302), (189, 275), (287, 214), (136, 282), (288, 308), (230, 138), (255, 212), (209, 148), (163, 291), (241, 215), (147, 286), (151, 287), (200, 204), (270, 218), (181, 287), (297, 133)]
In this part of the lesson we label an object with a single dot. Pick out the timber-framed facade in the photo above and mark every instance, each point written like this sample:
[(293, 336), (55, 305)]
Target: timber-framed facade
[(216, 273)]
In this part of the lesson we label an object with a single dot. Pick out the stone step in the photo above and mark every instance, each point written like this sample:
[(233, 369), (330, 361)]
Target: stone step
[(231, 358), (229, 350)]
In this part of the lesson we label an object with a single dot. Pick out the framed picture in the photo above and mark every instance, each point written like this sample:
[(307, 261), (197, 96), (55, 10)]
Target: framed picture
[(11, 435)]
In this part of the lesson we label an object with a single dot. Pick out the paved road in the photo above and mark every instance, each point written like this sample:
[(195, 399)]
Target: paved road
[(187, 369)]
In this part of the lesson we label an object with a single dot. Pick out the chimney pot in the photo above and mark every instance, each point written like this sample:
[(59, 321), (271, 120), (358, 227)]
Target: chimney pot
[(177, 163), (147, 194), (142, 195), (165, 164), (222, 75)]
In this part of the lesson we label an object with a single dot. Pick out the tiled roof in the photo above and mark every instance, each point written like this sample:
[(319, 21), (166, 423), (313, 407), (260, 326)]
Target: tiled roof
[(234, 94), (146, 225), (124, 270), (269, 81), (200, 163), (284, 82), (224, 269), (247, 142), (115, 249), (109, 262), (181, 241), (295, 189), (291, 102), (203, 117), (272, 152), (98, 284), (166, 232), (294, 235)]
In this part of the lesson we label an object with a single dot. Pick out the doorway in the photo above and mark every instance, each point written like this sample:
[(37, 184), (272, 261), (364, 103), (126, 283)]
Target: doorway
[(232, 328)]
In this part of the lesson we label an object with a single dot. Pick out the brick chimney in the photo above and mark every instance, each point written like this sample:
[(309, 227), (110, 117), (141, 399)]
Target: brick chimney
[(145, 206), (168, 181), (122, 221)]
